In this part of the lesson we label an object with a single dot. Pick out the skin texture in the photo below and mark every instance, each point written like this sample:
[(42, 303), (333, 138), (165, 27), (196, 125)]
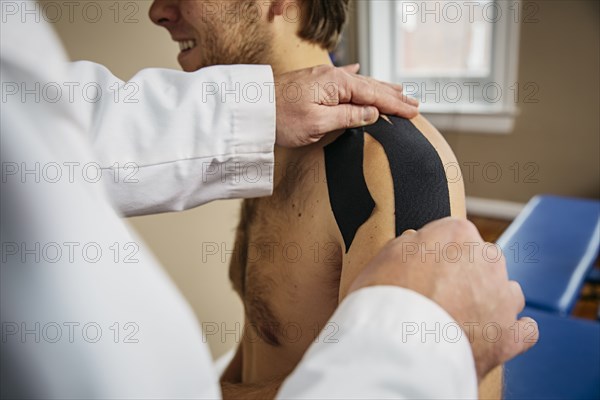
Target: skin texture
[(289, 266)]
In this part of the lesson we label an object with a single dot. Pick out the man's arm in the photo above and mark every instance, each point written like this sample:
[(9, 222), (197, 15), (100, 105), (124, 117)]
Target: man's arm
[(398, 343), (380, 228)]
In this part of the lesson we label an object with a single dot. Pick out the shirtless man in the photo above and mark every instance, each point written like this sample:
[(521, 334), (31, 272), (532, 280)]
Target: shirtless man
[(335, 204)]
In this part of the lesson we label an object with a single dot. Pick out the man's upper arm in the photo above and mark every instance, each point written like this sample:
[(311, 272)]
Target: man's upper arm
[(380, 227), (426, 170)]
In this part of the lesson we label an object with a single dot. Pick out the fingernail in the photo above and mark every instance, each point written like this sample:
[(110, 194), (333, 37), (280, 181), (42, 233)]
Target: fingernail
[(369, 114)]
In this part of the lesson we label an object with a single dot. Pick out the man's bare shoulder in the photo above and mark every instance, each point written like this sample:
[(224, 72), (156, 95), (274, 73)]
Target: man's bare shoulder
[(418, 154), (403, 166)]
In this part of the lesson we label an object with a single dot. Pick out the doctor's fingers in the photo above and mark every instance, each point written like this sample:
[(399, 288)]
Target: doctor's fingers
[(522, 338), (387, 98), (354, 68), (351, 68), (345, 116), (516, 296)]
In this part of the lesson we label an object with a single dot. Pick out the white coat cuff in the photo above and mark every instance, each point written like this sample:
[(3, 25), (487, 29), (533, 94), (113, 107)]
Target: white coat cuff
[(386, 342), (254, 131), (417, 329)]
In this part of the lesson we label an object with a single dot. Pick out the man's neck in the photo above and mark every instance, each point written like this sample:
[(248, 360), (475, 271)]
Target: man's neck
[(287, 58), (297, 54)]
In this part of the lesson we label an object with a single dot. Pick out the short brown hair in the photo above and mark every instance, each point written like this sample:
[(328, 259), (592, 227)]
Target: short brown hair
[(323, 21)]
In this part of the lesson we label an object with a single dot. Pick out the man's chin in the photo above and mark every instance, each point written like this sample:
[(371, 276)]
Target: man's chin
[(191, 67), (188, 68), (187, 63)]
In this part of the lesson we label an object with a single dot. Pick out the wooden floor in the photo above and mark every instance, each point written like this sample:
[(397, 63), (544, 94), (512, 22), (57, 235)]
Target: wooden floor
[(589, 299)]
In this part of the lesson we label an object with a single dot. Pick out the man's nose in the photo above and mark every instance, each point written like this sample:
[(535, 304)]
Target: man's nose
[(164, 12)]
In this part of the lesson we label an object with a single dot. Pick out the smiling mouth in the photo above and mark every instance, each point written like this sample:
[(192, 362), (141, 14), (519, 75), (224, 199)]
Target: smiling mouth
[(186, 45)]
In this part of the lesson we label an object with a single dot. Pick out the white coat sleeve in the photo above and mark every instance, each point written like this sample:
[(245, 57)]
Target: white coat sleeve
[(168, 140), (386, 342)]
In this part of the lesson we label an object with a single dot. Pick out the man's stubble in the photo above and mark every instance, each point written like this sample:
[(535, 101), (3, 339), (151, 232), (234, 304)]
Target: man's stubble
[(234, 40)]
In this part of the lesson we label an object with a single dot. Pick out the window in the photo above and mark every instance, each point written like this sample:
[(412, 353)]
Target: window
[(459, 58)]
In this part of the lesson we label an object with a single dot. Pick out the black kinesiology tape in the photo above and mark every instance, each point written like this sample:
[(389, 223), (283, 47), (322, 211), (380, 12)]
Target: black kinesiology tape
[(349, 196), (420, 184)]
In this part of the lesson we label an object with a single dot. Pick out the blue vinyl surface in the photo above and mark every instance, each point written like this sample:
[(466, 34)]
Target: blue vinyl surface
[(564, 364), (550, 249)]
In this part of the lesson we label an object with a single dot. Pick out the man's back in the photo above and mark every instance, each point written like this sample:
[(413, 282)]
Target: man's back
[(334, 206)]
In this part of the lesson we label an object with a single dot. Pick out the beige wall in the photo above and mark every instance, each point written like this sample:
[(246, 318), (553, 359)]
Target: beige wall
[(176, 239), (560, 134)]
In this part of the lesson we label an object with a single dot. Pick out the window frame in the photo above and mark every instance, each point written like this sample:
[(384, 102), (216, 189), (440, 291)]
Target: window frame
[(375, 22)]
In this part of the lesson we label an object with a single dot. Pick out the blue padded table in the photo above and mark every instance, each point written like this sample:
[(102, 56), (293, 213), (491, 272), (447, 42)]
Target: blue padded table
[(564, 364), (550, 249)]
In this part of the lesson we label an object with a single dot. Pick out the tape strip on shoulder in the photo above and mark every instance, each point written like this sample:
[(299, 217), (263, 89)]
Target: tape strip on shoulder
[(349, 195), (420, 185)]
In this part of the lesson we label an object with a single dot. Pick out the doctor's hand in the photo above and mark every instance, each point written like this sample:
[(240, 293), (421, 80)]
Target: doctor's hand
[(314, 101), (472, 286)]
